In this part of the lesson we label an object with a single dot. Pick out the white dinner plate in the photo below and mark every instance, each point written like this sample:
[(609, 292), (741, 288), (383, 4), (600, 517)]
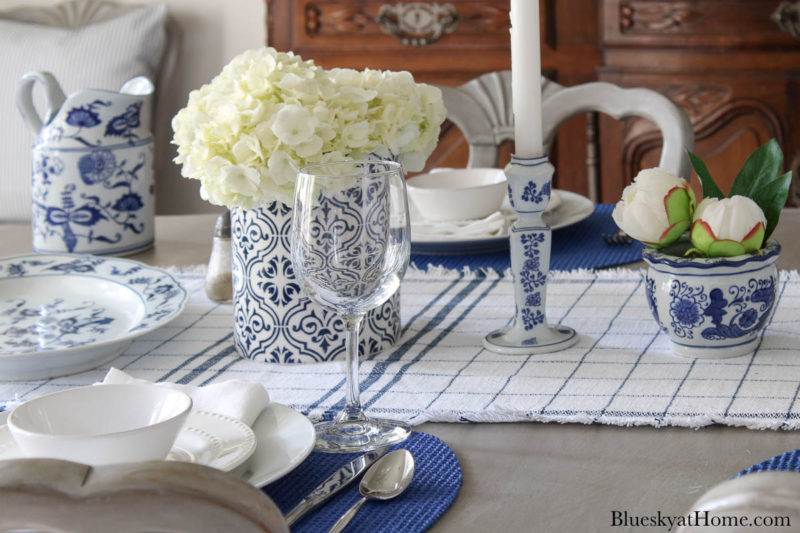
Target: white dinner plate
[(571, 209), (284, 438), (63, 314)]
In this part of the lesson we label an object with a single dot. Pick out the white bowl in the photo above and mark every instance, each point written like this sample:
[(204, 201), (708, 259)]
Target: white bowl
[(101, 424), (458, 194)]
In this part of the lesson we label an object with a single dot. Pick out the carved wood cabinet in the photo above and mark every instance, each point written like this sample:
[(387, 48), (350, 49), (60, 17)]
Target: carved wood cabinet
[(727, 62)]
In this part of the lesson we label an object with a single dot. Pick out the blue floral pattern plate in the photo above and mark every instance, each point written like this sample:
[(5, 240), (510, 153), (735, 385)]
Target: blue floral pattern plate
[(63, 314)]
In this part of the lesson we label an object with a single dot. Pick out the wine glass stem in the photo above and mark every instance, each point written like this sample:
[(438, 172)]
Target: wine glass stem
[(352, 410)]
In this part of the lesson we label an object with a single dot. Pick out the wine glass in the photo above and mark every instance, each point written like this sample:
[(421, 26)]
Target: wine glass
[(350, 249)]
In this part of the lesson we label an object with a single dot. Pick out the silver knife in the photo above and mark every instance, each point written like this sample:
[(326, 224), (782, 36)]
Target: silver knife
[(335, 482)]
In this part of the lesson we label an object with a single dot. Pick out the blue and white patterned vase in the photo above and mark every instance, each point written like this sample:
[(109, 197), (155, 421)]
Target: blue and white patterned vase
[(712, 308), (273, 321), (529, 187), (92, 168)]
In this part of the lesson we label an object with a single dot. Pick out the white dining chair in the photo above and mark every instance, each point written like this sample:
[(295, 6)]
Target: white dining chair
[(170, 497), (482, 110)]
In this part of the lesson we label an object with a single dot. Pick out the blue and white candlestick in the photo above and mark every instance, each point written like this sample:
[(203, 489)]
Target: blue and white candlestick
[(529, 183)]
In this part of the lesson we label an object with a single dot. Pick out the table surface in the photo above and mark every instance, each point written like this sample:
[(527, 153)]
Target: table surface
[(545, 477)]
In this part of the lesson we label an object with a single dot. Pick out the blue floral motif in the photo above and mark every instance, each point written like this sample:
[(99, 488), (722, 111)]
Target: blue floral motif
[(747, 308), (128, 271), (83, 117), (97, 166), (530, 194), (531, 264), (734, 311), (48, 166), (534, 299), (52, 325), (531, 319), (274, 268), (128, 202), (125, 125), (79, 266), (748, 318), (530, 243), (86, 116), (686, 308), (531, 280)]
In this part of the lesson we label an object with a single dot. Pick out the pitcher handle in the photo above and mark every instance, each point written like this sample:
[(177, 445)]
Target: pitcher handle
[(53, 95)]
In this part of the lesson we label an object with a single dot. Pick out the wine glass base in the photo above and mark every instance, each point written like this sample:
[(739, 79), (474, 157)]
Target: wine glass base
[(359, 436)]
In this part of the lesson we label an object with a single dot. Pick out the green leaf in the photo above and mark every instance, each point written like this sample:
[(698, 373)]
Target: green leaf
[(761, 167), (771, 197), (710, 189)]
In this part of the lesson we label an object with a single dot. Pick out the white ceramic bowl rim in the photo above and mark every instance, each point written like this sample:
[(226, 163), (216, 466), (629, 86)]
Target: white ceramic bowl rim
[(14, 423), (420, 181), (655, 257)]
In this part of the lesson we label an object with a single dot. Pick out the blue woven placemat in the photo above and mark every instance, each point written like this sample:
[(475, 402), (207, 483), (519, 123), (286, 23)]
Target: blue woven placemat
[(580, 245), (437, 480), (789, 461)]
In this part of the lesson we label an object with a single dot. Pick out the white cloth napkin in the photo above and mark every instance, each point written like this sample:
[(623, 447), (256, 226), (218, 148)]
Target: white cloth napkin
[(495, 225), (242, 400)]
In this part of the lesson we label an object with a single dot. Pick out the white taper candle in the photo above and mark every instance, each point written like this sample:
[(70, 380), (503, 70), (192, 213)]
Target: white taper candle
[(526, 71)]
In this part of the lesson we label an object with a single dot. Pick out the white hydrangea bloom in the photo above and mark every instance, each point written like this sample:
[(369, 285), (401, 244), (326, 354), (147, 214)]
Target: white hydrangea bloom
[(245, 134)]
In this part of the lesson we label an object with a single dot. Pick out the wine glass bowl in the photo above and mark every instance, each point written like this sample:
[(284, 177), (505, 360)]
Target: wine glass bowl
[(350, 249)]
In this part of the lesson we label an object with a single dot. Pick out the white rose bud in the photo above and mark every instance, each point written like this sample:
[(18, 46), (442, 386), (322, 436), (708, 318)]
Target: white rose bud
[(656, 208)]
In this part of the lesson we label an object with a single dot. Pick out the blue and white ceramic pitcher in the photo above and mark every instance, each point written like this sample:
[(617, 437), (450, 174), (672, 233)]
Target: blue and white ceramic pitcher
[(92, 167)]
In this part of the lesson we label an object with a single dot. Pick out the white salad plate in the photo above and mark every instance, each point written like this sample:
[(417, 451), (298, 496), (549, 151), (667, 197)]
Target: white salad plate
[(283, 438), (63, 314), (213, 440), (566, 208)]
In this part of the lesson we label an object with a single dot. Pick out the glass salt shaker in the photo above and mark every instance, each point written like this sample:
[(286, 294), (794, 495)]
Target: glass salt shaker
[(219, 286)]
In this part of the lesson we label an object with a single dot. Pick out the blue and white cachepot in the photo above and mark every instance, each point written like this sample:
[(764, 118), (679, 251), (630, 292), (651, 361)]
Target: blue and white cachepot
[(273, 321), (92, 167), (712, 308)]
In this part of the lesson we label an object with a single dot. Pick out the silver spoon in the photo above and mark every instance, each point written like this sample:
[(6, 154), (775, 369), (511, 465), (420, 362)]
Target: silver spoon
[(386, 479)]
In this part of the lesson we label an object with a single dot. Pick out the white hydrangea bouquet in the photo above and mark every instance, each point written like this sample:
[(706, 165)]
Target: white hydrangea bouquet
[(245, 134), (659, 207)]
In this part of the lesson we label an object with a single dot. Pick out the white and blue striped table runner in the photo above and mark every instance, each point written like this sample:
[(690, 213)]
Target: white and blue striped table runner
[(621, 371)]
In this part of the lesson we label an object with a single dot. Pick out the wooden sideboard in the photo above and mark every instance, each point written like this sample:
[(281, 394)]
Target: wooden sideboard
[(726, 62)]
